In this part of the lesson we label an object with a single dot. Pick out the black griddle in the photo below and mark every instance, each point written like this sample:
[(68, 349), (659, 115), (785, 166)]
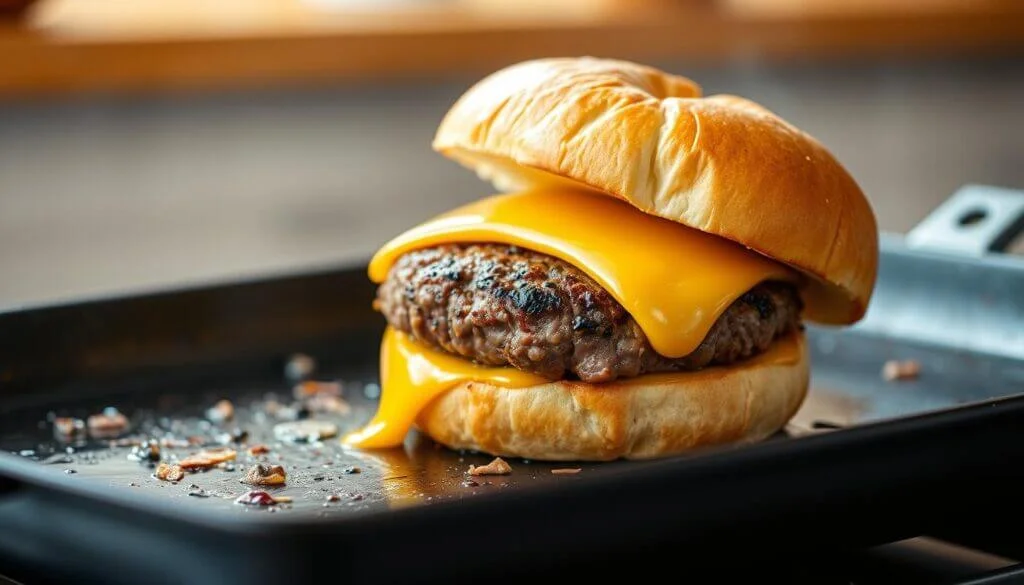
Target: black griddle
[(866, 461)]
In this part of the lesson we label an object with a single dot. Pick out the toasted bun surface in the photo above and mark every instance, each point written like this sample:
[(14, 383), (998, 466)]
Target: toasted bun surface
[(647, 417), (720, 164)]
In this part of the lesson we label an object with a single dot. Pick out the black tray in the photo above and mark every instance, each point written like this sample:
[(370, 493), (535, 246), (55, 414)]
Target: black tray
[(866, 461)]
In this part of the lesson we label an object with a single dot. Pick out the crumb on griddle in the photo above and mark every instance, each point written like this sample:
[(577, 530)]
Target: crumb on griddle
[(328, 403), (299, 367), (146, 452), (305, 431), (313, 388), (65, 427), (222, 411), (207, 459), (895, 370), (496, 467), (261, 474), (108, 423), (166, 472), (259, 449), (259, 498), (174, 443), (566, 470)]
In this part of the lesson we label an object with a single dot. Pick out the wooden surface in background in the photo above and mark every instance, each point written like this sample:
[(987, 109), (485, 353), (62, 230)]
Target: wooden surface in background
[(66, 46)]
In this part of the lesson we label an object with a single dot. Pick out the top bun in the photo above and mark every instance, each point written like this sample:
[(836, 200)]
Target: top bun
[(720, 164)]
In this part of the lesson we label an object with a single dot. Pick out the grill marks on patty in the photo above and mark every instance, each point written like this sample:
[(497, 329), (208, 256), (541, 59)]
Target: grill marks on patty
[(500, 305)]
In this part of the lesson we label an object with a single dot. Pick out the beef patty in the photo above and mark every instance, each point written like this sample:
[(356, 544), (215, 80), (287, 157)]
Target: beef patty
[(501, 305)]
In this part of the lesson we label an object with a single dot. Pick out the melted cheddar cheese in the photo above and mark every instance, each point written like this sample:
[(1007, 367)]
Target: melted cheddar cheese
[(675, 282), (412, 375)]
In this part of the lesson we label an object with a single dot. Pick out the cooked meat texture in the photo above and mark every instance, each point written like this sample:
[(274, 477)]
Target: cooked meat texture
[(500, 305)]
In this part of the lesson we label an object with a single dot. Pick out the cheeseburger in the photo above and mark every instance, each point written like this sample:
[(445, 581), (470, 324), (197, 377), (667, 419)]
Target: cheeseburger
[(638, 285)]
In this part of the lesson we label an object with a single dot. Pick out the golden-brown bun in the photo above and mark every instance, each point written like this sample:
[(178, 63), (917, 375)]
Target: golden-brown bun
[(720, 164), (647, 417)]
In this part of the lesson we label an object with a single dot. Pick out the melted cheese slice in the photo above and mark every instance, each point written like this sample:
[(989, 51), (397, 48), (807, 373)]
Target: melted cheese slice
[(412, 375), (675, 281)]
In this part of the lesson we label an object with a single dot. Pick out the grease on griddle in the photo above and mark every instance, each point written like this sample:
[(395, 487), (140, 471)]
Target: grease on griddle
[(305, 431), (207, 459), (58, 458), (498, 466), (261, 474)]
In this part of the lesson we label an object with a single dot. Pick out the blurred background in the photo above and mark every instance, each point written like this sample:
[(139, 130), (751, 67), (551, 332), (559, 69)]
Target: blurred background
[(147, 143)]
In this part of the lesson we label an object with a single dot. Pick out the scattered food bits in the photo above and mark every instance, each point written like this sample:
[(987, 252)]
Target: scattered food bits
[(256, 498), (234, 436), (146, 452), (261, 474), (200, 493), (333, 498), (258, 449), (470, 483), (222, 411), (108, 423), (207, 459), (305, 431), (356, 497), (894, 370), (326, 403), (283, 499), (350, 470), (67, 427), (496, 467), (299, 367), (311, 388), (174, 443), (70, 471), (165, 472), (566, 471)]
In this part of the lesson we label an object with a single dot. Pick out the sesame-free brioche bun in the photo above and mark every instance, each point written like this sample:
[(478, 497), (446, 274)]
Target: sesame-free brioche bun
[(721, 164), (641, 418)]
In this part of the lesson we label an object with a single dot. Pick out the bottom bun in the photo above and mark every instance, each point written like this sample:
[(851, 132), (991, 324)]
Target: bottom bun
[(641, 418)]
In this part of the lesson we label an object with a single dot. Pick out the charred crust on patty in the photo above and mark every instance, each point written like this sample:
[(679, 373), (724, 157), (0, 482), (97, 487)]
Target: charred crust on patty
[(510, 306)]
